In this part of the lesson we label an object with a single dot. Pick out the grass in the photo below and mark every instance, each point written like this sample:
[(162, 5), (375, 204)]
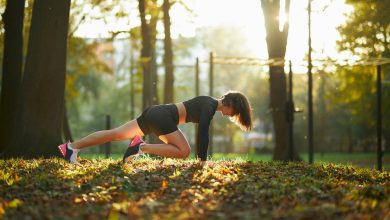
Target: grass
[(150, 188), (367, 160)]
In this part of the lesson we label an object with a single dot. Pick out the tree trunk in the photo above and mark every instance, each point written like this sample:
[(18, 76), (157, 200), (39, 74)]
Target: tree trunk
[(278, 102), (168, 56), (321, 129), (276, 43), (12, 71), (145, 56), (43, 86), (66, 127), (148, 59), (153, 63)]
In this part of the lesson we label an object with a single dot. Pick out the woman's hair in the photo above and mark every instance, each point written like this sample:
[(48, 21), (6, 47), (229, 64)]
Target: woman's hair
[(241, 107)]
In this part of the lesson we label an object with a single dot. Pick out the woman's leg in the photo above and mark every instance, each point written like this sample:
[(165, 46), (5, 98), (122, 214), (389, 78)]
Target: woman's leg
[(176, 146), (124, 132)]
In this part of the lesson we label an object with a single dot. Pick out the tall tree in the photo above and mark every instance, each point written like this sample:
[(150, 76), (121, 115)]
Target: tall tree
[(12, 68), (154, 11), (39, 123), (148, 54), (168, 55), (366, 33), (277, 43)]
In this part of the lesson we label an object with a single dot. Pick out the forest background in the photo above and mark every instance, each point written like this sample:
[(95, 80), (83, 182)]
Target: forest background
[(104, 73)]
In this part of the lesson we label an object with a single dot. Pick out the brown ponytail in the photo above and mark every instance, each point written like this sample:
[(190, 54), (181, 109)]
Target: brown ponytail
[(241, 107)]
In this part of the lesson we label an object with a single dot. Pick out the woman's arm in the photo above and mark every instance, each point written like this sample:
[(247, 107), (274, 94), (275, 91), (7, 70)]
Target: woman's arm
[(203, 130)]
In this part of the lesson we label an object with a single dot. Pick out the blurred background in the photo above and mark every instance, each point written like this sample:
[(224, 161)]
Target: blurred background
[(105, 66)]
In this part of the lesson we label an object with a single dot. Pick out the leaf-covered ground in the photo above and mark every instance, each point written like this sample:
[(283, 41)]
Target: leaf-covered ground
[(185, 189)]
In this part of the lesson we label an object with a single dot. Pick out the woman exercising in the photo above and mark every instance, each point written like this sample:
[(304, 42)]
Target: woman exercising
[(163, 120)]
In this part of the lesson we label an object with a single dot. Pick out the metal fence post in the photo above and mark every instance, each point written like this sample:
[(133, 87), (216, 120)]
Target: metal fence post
[(197, 94), (108, 144), (310, 91), (379, 115), (132, 105), (211, 91), (290, 114)]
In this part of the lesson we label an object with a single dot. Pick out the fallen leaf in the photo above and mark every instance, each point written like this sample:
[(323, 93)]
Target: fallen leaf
[(15, 203)]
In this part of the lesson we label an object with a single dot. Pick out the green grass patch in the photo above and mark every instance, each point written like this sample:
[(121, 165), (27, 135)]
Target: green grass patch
[(181, 189), (366, 160)]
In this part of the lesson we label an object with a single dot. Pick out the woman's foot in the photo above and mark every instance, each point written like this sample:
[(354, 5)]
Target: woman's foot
[(134, 149), (69, 153)]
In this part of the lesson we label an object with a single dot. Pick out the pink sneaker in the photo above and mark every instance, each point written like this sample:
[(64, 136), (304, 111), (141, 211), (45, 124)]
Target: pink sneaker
[(68, 152), (134, 149), (136, 140)]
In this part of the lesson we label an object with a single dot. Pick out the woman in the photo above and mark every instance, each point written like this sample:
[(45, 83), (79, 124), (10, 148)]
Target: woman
[(163, 120)]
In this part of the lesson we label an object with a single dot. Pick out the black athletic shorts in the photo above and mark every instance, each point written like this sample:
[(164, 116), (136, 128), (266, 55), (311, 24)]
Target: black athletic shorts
[(159, 119)]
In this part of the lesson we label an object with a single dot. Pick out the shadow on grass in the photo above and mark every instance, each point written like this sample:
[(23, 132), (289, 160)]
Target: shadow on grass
[(177, 189), (278, 190)]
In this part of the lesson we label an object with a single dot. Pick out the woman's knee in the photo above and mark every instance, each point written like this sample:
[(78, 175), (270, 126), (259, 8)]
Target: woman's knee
[(178, 140)]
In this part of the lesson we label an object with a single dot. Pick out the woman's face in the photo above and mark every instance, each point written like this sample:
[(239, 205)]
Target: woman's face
[(227, 111)]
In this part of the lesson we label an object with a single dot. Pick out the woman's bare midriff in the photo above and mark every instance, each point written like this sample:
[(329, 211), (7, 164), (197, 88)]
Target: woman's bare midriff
[(182, 112)]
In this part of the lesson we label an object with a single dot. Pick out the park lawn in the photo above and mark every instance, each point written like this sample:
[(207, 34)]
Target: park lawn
[(366, 160), (185, 189)]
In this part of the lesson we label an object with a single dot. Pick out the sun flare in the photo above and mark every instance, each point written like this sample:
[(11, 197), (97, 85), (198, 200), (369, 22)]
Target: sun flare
[(248, 15)]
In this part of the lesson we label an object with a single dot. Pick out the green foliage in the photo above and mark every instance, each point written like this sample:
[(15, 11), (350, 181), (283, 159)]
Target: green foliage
[(82, 73), (172, 189), (366, 31), (354, 95)]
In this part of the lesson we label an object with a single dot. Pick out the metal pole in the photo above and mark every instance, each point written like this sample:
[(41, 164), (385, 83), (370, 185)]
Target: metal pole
[(211, 76), (290, 115), (197, 77), (211, 88), (379, 115), (108, 144), (197, 94), (310, 90), (132, 106)]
